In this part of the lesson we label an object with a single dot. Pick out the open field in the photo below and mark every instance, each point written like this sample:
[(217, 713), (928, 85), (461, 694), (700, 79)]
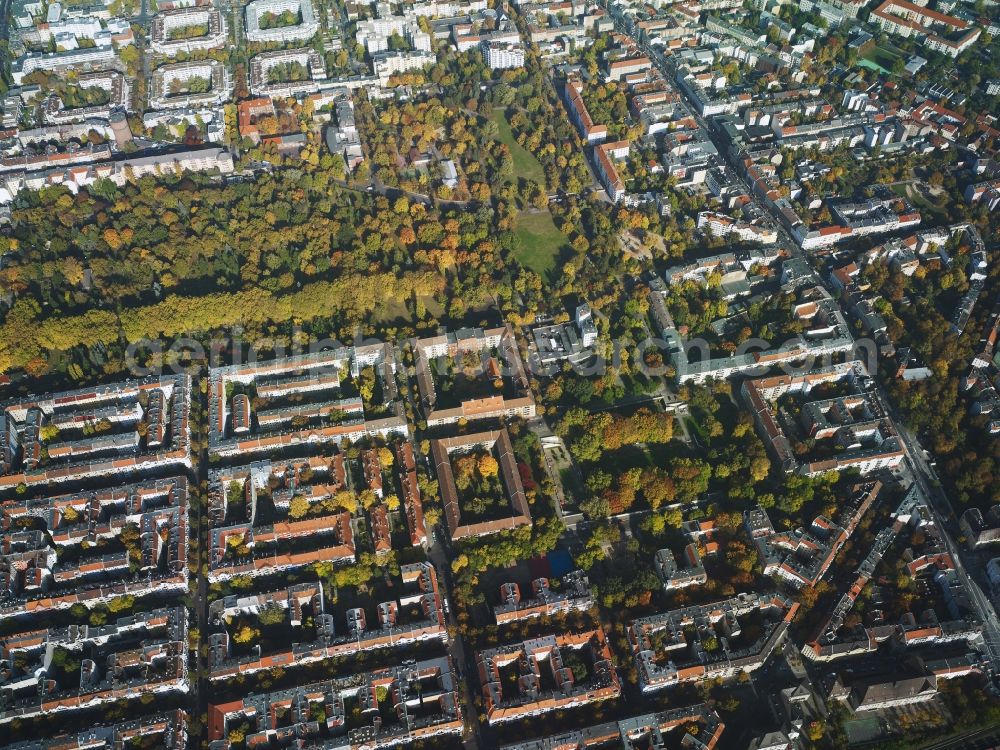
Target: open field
[(525, 164), (879, 58), (541, 242)]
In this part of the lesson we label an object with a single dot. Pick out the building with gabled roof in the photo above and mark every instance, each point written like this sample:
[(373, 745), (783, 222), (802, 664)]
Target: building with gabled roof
[(499, 445), (706, 641), (868, 440), (700, 723), (64, 565), (416, 615), (872, 695), (543, 680), (169, 730), (497, 359), (410, 702), (45, 442), (413, 507), (572, 593), (141, 654), (940, 32)]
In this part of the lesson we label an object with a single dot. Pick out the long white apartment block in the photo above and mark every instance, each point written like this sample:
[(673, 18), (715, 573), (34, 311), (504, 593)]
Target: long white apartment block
[(503, 55), (119, 172), (388, 64), (265, 78), (172, 85), (91, 58), (259, 10), (168, 33)]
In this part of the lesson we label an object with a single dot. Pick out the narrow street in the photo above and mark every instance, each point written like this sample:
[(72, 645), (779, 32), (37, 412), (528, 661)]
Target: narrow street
[(456, 647), (201, 606)]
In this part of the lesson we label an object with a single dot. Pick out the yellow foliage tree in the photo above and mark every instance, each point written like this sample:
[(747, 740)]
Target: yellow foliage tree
[(385, 457), (245, 634), (298, 508), (488, 466), (346, 500)]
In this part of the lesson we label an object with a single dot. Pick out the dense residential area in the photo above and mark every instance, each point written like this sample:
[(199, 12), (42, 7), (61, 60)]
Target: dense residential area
[(499, 375)]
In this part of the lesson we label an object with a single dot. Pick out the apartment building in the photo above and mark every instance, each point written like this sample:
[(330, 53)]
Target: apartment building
[(111, 81), (309, 376), (721, 225), (498, 359), (137, 655), (828, 643), (168, 32), (262, 28), (46, 443), (389, 64), (856, 220), (266, 81), (981, 529), (618, 69), (498, 444), (374, 33), (38, 576), (866, 436), (503, 55), (933, 564), (526, 662), (605, 155), (573, 593), (573, 94), (83, 59), (942, 33), (416, 701), (457, 22), (728, 266), (702, 723), (827, 333), (710, 101), (707, 642), (988, 192), (79, 168), (801, 557), (415, 616), (195, 83), (413, 507), (168, 730), (869, 695), (492, 28), (242, 543), (674, 576)]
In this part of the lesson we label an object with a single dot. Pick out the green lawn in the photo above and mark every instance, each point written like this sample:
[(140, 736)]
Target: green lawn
[(866, 63), (393, 310), (541, 242), (525, 163), (880, 58)]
